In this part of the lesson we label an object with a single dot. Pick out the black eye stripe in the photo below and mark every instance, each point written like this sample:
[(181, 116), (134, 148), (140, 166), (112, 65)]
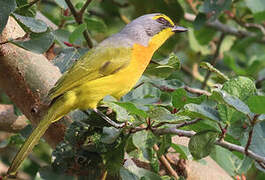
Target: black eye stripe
[(164, 21)]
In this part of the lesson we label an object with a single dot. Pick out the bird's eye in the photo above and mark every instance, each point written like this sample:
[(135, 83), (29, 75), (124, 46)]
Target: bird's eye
[(163, 21)]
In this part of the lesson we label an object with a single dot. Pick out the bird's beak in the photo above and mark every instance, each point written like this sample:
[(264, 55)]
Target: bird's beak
[(179, 29)]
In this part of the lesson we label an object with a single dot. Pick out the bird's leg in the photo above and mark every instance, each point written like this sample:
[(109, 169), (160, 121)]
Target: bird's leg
[(106, 118)]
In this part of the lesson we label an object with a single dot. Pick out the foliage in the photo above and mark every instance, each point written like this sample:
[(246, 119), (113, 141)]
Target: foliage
[(212, 84)]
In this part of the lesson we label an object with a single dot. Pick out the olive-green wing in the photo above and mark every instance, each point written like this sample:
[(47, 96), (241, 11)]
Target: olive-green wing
[(96, 63)]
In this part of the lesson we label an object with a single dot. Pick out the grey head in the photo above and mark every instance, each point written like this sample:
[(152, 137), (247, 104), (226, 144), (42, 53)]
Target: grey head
[(141, 29)]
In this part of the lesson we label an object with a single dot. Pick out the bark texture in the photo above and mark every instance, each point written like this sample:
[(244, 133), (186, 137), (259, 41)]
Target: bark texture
[(26, 78)]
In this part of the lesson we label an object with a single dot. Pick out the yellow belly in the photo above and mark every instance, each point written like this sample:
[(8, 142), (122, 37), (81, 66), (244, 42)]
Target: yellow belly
[(118, 84)]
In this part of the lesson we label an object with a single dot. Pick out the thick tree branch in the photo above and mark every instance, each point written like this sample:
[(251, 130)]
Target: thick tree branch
[(9, 122), (26, 78), (227, 145), (226, 29)]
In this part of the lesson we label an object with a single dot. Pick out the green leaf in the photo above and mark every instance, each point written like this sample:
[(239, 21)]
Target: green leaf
[(199, 21), (180, 98), (163, 68), (31, 24), (182, 150), (204, 35), (210, 68), (256, 6), (46, 173), (77, 33), (168, 85), (38, 44), (160, 114), (233, 102), (109, 135), (258, 144), (196, 46), (214, 7), (132, 109), (61, 3), (231, 63), (245, 165), (66, 58), (257, 104), (241, 88), (202, 143), (174, 61), (6, 7), (226, 159), (200, 111), (131, 171), (144, 140), (122, 114), (95, 24), (164, 144), (115, 157)]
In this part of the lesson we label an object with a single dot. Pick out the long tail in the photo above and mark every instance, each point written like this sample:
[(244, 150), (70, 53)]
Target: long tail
[(55, 112)]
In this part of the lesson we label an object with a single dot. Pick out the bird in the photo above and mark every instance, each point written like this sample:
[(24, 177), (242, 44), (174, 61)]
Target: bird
[(113, 67)]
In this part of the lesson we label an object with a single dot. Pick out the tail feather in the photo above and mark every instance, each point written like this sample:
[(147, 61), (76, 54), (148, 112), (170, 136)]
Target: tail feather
[(33, 139), (61, 106), (27, 147)]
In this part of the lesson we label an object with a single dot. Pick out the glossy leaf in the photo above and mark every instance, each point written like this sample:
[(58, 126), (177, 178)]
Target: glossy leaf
[(77, 33), (182, 150), (160, 114), (6, 7), (109, 135), (256, 5), (180, 97), (233, 101), (214, 7), (38, 44), (31, 24), (144, 140), (132, 109), (202, 143), (95, 24), (257, 104), (131, 171), (200, 111)]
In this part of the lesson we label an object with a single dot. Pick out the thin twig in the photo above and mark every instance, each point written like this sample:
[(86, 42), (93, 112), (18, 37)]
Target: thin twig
[(214, 60), (249, 141), (224, 130), (226, 29), (84, 7), (227, 145), (79, 19), (258, 26), (253, 122), (163, 88), (186, 123), (197, 91), (166, 163)]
